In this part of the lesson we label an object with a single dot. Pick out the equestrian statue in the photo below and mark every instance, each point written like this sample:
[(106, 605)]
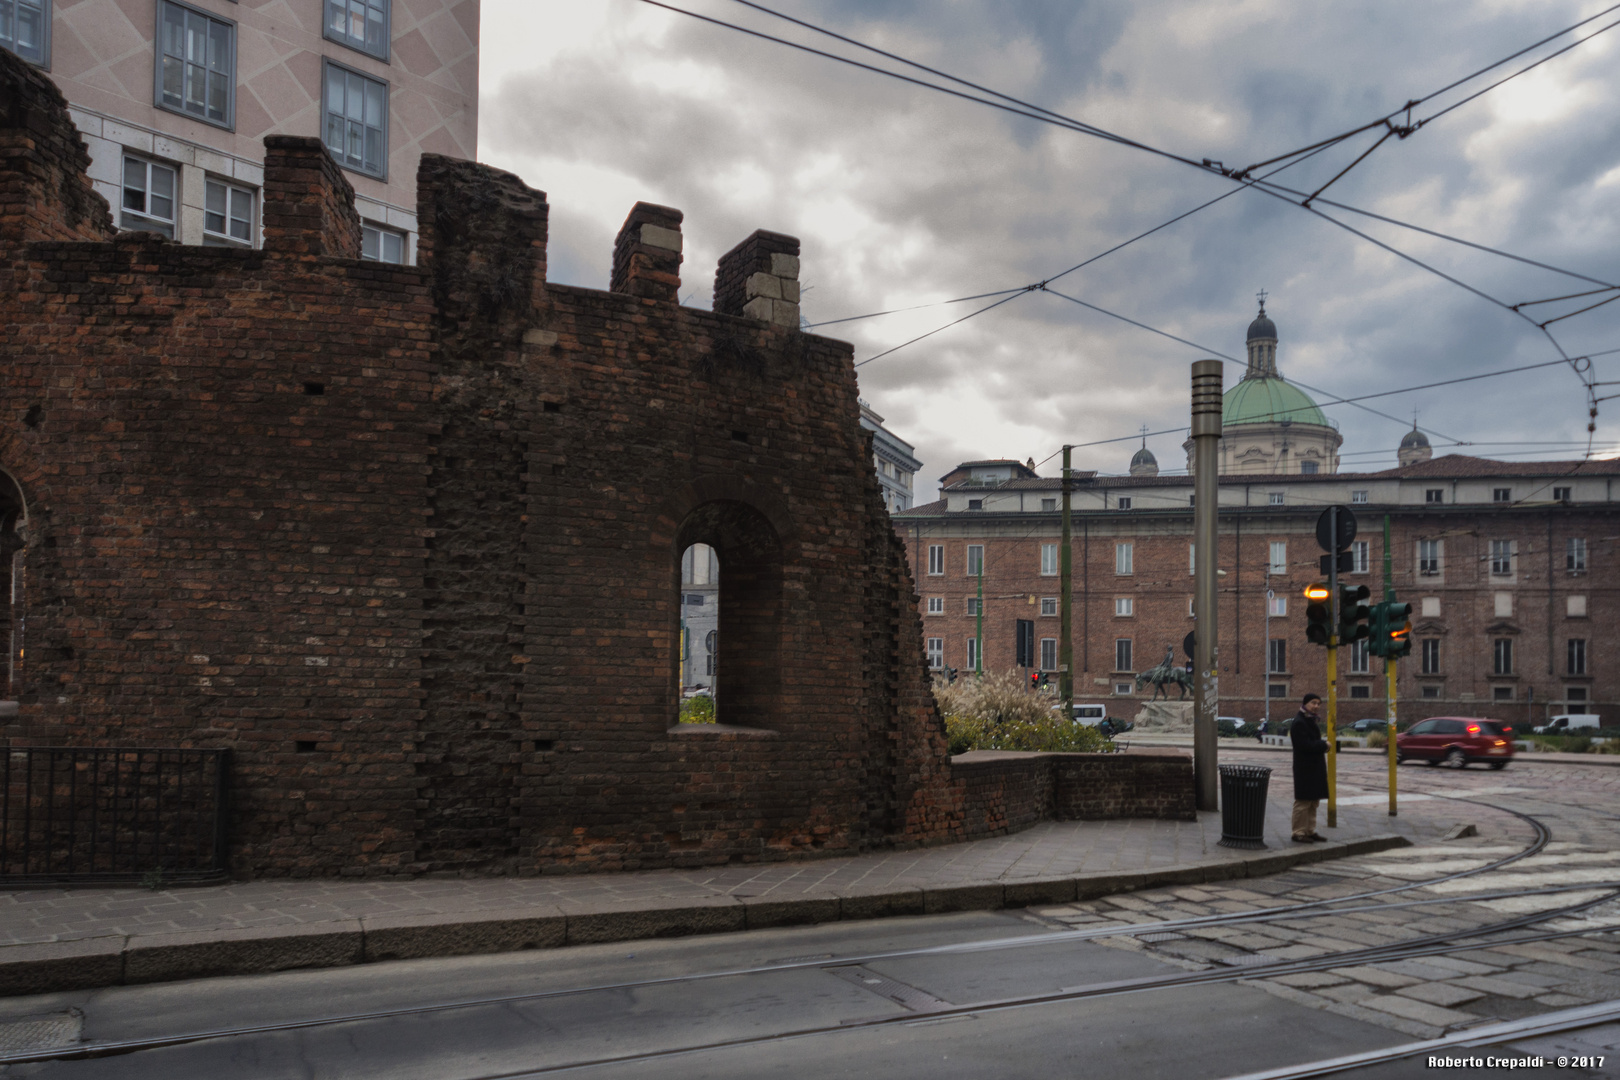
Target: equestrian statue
[(1166, 673)]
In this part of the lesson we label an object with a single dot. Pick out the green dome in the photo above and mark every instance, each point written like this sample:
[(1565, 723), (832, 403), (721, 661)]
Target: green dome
[(1267, 400)]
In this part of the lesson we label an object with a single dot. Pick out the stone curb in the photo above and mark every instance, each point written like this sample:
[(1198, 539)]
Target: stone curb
[(90, 963)]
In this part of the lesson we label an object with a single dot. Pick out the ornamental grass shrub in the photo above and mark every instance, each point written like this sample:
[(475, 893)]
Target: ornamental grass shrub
[(1000, 712), (698, 710)]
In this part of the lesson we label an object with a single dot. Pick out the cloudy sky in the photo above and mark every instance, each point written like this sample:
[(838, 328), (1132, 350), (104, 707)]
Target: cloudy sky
[(904, 196)]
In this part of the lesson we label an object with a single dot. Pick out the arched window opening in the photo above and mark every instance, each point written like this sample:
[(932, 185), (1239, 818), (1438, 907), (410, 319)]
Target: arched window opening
[(12, 516), (730, 575)]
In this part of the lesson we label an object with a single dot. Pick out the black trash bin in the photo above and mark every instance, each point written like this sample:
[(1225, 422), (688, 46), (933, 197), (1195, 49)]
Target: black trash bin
[(1243, 805)]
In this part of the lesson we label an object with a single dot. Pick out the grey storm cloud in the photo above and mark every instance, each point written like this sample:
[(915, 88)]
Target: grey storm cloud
[(904, 196)]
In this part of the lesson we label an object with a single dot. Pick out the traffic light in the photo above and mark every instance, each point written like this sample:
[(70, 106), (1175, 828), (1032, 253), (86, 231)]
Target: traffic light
[(1378, 640), (1353, 613), (1398, 627), (1317, 616)]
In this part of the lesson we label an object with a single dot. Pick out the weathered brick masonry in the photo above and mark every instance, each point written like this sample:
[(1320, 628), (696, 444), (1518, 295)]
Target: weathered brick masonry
[(407, 539)]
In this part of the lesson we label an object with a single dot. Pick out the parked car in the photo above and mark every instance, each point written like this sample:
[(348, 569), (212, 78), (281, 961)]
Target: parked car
[(1091, 715), (1371, 723), (1567, 722), (1457, 741)]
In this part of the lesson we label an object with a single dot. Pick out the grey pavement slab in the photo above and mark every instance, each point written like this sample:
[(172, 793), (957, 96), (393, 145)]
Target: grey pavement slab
[(73, 938)]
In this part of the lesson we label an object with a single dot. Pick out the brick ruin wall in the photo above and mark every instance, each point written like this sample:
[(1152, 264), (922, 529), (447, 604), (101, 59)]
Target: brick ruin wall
[(407, 539)]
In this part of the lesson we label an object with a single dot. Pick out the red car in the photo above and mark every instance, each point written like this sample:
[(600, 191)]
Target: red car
[(1457, 740)]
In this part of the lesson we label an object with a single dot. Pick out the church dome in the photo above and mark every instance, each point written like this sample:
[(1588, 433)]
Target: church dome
[(1414, 440), (1262, 327), (1143, 456), (1267, 400)]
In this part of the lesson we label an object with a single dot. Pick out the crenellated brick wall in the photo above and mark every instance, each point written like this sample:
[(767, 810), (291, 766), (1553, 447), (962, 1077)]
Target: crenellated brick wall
[(408, 539)]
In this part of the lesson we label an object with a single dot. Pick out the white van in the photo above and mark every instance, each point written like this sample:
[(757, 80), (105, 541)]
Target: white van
[(1097, 716), (1567, 722)]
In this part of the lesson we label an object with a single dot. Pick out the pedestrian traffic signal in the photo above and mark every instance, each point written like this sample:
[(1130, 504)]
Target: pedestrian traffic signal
[(1353, 613), (950, 674), (1317, 617)]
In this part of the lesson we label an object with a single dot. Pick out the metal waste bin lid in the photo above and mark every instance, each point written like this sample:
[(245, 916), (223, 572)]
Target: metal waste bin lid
[(1246, 772)]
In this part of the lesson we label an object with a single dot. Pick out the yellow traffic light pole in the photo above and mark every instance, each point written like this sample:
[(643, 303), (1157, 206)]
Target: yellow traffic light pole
[(1333, 729)]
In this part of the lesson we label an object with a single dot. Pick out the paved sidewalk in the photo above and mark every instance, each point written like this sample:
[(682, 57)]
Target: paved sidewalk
[(59, 939)]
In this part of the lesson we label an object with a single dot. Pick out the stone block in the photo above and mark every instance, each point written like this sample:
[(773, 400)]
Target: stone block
[(200, 954), (785, 266), (654, 918), (880, 902), (939, 899), (1029, 891), (56, 966), (659, 237), (760, 912), (405, 937)]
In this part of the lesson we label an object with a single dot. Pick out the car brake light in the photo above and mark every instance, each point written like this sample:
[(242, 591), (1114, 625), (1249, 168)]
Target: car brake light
[(1473, 729)]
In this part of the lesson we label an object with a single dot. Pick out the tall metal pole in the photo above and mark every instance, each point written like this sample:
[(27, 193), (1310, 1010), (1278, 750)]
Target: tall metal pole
[(1206, 434), (1389, 673), (1065, 581), (1333, 672)]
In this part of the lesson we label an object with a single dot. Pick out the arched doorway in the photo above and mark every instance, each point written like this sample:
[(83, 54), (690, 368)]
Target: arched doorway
[(745, 634)]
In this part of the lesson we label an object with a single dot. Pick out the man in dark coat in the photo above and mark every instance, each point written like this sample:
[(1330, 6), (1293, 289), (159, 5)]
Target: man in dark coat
[(1310, 769)]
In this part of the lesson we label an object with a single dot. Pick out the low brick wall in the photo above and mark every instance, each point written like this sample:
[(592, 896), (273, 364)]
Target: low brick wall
[(1003, 792)]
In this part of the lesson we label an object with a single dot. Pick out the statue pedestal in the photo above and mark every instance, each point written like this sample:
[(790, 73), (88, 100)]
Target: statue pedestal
[(1169, 717)]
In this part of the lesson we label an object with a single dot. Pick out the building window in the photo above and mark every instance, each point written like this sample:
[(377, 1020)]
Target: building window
[(1430, 655), (936, 605), (1431, 692), (1501, 495), (1124, 605), (25, 29), (1359, 496), (1501, 693), (1192, 558), (1049, 559), (1049, 605), (936, 560), (359, 24), (710, 641), (1361, 691), (1434, 495), (975, 560), (1124, 558), (936, 652), (973, 605), (1358, 557), (1577, 656), (1277, 656), (196, 64), (1275, 498), (1502, 656), (1048, 654), (1124, 502), (975, 504), (1278, 563), (356, 120), (973, 654), (1122, 654), (1428, 557), (381, 245), (149, 197), (1277, 606), (227, 214), (1123, 689), (1575, 553), (1562, 494), (1501, 558), (1575, 695), (1307, 467), (1575, 607), (1048, 504), (1277, 690), (1359, 653)]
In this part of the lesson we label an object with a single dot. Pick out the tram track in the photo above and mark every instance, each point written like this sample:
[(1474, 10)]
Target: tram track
[(1327, 907)]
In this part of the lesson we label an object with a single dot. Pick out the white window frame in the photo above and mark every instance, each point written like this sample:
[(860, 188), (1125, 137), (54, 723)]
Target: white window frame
[(1502, 656), (1431, 557), (1575, 656), (1360, 652), (1309, 468), (973, 654), (1501, 495), (1122, 652), (1124, 558), (8, 25), (1049, 560), (1563, 494), (975, 560), (331, 70), (935, 652), (382, 233), (1277, 558), (1501, 558), (144, 219), (1049, 653), (1277, 607), (227, 237), (1277, 656), (1359, 495), (936, 605), (1192, 558), (936, 560), (1429, 656), (1575, 554), (1359, 556), (974, 606), (1122, 502), (1048, 505), (186, 65), (1434, 496), (1275, 498), (1049, 607), (1124, 607)]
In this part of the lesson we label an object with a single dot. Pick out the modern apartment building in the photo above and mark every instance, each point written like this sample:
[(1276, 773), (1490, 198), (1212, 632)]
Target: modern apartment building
[(174, 101)]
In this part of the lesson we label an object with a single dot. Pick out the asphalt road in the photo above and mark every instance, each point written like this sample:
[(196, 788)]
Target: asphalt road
[(1176, 1032)]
